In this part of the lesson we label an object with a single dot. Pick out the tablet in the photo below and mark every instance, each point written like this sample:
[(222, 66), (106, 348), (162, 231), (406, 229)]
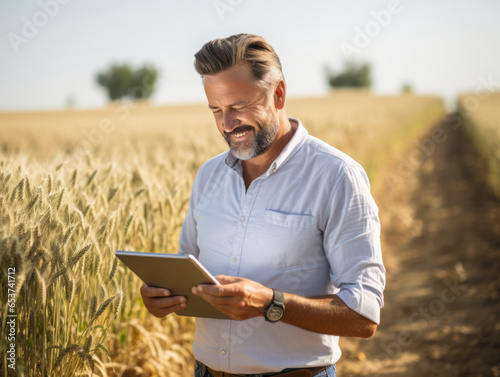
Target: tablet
[(177, 273)]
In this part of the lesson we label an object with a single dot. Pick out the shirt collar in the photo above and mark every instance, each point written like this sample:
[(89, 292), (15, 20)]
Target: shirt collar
[(290, 149)]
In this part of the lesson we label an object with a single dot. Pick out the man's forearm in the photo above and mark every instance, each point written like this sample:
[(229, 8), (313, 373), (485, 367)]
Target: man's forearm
[(326, 315), (242, 299)]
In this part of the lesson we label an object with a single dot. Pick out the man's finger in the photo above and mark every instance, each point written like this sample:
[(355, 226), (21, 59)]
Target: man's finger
[(166, 302), (148, 291), (214, 290), (217, 300), (161, 311), (226, 279)]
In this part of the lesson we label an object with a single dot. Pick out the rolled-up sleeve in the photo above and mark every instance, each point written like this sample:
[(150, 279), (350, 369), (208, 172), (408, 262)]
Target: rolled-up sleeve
[(352, 244)]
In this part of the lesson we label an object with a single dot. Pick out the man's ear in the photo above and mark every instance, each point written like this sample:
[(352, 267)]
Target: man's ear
[(280, 95)]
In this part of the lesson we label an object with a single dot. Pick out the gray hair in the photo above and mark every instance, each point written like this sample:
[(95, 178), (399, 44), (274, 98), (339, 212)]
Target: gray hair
[(223, 53)]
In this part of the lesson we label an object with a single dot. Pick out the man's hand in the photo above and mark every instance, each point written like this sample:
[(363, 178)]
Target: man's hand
[(158, 301), (239, 298)]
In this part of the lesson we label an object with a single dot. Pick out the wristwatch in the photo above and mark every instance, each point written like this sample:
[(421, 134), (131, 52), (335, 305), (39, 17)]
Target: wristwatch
[(274, 312)]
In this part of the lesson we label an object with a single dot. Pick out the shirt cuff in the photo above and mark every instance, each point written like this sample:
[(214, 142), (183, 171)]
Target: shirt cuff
[(363, 301)]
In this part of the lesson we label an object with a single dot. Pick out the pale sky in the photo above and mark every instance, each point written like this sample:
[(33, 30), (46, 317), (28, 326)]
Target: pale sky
[(50, 50)]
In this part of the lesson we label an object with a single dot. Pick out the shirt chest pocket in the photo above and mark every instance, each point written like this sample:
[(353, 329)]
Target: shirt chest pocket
[(283, 240)]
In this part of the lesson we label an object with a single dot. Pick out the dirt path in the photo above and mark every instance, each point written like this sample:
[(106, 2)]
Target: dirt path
[(441, 236)]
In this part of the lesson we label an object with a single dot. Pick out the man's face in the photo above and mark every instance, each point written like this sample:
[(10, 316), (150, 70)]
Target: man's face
[(244, 113)]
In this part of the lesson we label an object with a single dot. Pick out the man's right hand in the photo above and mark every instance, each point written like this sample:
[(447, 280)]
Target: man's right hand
[(158, 301)]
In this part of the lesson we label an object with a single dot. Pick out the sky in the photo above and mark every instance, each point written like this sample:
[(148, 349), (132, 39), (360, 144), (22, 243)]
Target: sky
[(51, 50)]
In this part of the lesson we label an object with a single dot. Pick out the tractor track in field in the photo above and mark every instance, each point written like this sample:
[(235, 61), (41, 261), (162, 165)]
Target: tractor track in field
[(441, 245)]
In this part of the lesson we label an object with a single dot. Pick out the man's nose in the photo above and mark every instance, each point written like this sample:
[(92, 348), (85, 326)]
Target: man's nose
[(230, 122)]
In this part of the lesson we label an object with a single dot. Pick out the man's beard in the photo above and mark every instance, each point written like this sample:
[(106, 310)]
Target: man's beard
[(261, 142)]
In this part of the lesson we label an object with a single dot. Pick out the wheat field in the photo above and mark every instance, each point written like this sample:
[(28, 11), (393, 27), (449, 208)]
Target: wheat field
[(77, 185)]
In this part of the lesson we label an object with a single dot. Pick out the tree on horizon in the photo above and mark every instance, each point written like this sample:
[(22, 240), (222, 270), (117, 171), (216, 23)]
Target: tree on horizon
[(354, 75), (121, 81)]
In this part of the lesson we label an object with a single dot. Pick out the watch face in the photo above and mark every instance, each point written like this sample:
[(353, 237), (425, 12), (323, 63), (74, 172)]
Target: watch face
[(275, 313)]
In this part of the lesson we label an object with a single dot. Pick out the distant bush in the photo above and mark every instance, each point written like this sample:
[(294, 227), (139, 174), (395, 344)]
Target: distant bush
[(354, 75), (121, 81), (406, 88)]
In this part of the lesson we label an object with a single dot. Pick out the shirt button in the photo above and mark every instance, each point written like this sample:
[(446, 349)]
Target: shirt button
[(235, 259), (273, 170), (223, 352), (242, 218)]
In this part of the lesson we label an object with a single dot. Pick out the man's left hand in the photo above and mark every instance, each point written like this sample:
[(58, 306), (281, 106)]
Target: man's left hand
[(239, 298)]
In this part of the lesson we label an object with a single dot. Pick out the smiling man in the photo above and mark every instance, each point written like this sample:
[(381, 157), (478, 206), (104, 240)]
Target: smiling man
[(284, 220)]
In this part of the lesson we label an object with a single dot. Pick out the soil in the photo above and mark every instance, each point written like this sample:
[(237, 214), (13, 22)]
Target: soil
[(441, 245)]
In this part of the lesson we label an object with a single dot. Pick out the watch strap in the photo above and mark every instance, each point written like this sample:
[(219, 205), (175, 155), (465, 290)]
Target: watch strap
[(274, 312), (278, 298)]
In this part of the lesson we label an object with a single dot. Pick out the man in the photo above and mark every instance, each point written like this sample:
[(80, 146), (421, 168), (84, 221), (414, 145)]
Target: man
[(285, 221)]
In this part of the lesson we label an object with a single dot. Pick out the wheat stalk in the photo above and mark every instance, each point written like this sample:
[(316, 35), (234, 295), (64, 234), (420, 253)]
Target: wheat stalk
[(79, 254), (103, 307), (14, 246), (64, 352), (87, 344), (91, 177), (73, 178), (32, 204), (112, 193), (46, 220), (60, 272), (27, 187), (81, 217), (42, 288), (119, 303), (93, 306), (18, 262), (57, 258), (43, 255), (60, 198), (114, 267), (69, 283), (128, 223), (67, 236), (17, 193), (98, 262), (49, 184), (32, 327)]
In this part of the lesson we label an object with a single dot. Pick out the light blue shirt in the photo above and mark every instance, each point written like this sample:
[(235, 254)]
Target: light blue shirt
[(307, 226)]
